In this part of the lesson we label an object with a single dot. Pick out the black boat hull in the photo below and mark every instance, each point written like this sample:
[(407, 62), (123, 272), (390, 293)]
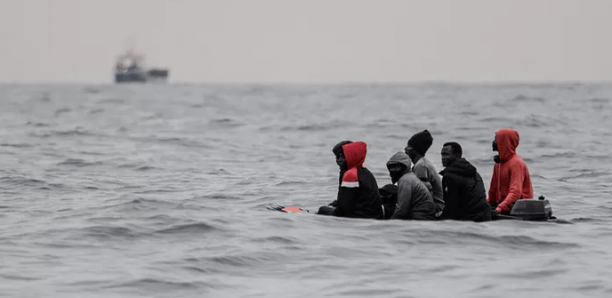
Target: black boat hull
[(130, 78)]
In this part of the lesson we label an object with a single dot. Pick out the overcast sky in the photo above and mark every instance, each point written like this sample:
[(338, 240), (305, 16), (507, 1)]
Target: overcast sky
[(309, 40)]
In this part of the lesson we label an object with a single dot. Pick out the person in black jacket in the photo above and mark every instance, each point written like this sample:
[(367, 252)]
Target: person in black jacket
[(341, 162), (464, 192), (358, 194)]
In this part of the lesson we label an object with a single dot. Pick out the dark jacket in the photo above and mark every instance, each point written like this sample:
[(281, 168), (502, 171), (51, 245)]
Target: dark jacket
[(388, 197), (414, 201), (334, 203), (358, 194), (464, 193)]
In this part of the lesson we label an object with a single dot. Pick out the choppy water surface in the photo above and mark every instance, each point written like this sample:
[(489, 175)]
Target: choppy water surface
[(159, 191)]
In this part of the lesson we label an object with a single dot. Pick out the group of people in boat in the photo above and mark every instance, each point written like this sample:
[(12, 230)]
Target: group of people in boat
[(418, 192)]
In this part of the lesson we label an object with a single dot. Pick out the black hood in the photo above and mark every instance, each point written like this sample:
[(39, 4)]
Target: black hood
[(338, 148), (461, 167)]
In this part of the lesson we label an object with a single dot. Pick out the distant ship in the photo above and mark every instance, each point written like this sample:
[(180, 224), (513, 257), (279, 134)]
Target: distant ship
[(130, 68)]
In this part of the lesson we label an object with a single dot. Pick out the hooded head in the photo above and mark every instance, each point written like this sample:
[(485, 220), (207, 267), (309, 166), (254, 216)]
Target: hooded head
[(507, 140), (338, 148), (355, 154), (420, 142), (398, 165), (340, 159)]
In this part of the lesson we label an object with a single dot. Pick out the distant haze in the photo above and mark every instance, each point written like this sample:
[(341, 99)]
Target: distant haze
[(77, 41)]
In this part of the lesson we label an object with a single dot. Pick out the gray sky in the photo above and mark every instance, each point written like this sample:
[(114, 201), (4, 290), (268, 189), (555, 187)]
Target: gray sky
[(309, 40)]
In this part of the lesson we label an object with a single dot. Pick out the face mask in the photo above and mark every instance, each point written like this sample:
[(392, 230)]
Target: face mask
[(396, 175), (496, 158)]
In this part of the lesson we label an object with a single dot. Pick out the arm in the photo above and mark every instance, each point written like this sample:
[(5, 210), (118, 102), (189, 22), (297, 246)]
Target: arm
[(452, 192), (493, 185), (404, 200), (514, 191), (345, 205)]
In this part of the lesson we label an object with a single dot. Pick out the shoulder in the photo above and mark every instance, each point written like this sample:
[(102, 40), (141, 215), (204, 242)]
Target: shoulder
[(420, 168), (517, 163), (350, 178), (409, 178)]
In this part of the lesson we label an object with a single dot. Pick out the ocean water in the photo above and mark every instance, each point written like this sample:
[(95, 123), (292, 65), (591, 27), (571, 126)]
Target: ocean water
[(160, 191)]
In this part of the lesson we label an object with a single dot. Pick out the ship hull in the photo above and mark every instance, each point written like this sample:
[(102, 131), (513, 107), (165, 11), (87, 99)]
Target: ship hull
[(130, 78)]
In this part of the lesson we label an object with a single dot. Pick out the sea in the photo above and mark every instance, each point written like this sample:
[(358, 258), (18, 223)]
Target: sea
[(161, 191)]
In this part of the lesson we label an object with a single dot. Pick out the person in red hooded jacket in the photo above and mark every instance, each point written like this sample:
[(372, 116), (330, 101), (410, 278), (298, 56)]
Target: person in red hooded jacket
[(358, 194), (511, 180)]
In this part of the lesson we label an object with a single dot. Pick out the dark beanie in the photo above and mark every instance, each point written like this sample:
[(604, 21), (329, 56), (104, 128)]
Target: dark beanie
[(338, 148), (421, 141)]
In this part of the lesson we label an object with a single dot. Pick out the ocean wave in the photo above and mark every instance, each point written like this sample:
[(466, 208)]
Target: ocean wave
[(67, 133), (275, 239), (138, 167), (183, 142), (36, 124), (22, 145), (588, 174), (569, 154), (523, 242), (142, 204), (21, 181), (111, 101), (153, 285), (62, 111), (19, 277), (225, 122), (600, 100), (193, 228), (109, 232), (79, 163), (221, 197), (524, 98), (248, 259)]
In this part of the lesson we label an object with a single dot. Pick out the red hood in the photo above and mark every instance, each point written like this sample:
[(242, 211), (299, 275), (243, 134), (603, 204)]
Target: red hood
[(507, 141), (355, 154)]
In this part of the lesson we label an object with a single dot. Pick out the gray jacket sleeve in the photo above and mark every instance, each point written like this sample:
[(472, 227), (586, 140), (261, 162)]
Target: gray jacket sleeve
[(404, 200)]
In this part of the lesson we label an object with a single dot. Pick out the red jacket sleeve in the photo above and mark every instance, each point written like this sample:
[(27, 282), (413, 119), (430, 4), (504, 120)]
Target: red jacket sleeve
[(493, 185)]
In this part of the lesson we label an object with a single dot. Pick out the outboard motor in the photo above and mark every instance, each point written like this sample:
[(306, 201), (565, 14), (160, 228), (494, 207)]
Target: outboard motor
[(534, 210)]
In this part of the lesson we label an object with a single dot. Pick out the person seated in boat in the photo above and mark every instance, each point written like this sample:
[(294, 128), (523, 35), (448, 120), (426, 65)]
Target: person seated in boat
[(414, 200), (358, 194), (417, 146), (337, 150), (465, 197), (511, 180)]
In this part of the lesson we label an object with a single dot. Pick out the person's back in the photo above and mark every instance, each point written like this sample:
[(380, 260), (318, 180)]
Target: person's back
[(358, 194), (464, 192), (511, 180), (414, 200)]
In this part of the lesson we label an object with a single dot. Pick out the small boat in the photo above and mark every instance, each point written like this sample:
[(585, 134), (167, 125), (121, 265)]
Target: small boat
[(130, 68), (525, 210)]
